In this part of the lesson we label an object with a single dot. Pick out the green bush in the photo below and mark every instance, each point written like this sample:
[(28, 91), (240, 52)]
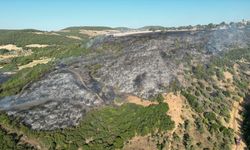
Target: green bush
[(210, 116), (192, 100), (226, 93), (9, 141), (187, 141), (4, 51), (20, 79), (199, 125), (197, 93), (200, 72), (158, 98)]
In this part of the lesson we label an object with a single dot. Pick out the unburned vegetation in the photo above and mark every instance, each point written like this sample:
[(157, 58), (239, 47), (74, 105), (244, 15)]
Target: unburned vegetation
[(107, 128)]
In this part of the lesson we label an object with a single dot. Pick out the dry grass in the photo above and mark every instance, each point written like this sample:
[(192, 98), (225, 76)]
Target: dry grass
[(11, 47), (120, 34), (228, 76), (8, 56), (227, 83), (74, 37), (35, 62), (45, 33), (93, 33), (16, 51), (36, 46)]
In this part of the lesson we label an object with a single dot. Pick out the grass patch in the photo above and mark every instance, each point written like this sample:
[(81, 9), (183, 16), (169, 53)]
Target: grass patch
[(23, 77)]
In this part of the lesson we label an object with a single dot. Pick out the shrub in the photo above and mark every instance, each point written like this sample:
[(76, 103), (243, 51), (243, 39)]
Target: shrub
[(209, 88), (192, 100), (200, 72), (187, 141), (4, 51), (159, 98), (199, 125), (20, 79), (210, 116), (226, 93), (197, 93)]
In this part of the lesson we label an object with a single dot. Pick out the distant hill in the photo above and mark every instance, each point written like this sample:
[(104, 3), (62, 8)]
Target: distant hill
[(89, 28)]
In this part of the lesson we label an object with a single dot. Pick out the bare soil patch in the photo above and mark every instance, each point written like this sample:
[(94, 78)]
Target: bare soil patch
[(175, 103), (138, 101)]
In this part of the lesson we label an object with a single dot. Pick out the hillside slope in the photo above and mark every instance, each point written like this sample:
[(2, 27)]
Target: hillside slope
[(86, 87)]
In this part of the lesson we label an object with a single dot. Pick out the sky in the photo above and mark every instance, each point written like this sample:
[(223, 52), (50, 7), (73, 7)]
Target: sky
[(58, 14)]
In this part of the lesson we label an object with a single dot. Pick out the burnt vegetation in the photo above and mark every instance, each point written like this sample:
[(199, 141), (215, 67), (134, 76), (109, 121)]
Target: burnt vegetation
[(103, 68)]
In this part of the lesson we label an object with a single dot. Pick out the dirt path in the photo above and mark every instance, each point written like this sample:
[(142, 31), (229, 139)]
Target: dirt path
[(82, 82), (235, 124), (175, 103)]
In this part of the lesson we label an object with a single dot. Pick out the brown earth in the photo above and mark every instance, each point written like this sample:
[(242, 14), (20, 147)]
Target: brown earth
[(175, 103), (138, 101), (235, 124), (228, 76)]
